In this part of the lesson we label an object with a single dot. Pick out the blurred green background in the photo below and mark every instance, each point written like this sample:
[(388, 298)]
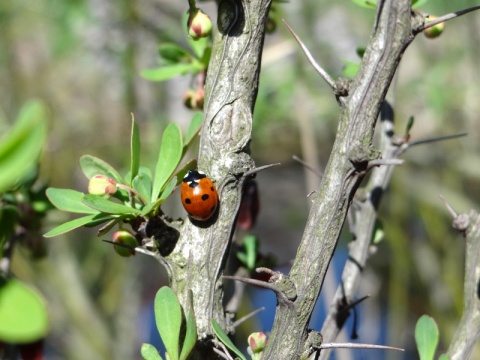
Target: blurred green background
[(83, 58)]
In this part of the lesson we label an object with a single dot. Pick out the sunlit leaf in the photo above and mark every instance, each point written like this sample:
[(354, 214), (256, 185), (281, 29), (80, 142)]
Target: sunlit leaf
[(372, 4), (76, 223), (69, 200), (173, 53), (106, 206), (143, 183), (23, 315), (168, 72), (149, 352), (350, 69), (426, 337), (418, 3), (180, 174), (134, 151), (191, 332), (169, 188), (193, 129), (92, 166), (168, 316), (21, 146), (225, 339), (170, 154)]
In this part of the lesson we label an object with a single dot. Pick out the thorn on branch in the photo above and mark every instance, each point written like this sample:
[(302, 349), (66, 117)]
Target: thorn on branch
[(248, 316), (309, 167), (329, 80), (258, 169), (450, 209), (444, 18)]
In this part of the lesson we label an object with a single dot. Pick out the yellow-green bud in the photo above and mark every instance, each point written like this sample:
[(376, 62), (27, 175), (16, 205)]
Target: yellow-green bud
[(257, 342), (434, 31), (125, 238), (102, 185), (199, 24)]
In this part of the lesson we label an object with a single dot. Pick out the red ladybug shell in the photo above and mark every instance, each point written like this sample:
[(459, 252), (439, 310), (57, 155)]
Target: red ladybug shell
[(199, 195)]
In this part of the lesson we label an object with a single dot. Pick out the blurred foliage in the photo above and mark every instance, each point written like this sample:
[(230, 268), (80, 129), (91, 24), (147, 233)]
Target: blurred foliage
[(84, 57)]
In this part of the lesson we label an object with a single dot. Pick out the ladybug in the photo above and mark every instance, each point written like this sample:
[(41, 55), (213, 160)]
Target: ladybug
[(199, 195)]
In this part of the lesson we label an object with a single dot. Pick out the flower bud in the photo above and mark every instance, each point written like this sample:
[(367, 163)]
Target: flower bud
[(434, 31), (102, 185), (257, 342), (188, 98), (124, 238), (199, 24)]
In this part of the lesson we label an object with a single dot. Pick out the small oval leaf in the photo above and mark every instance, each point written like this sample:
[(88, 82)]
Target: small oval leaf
[(225, 339), (149, 352), (134, 151), (92, 166), (76, 223), (170, 154), (23, 315), (426, 337), (106, 206), (168, 316), (69, 200)]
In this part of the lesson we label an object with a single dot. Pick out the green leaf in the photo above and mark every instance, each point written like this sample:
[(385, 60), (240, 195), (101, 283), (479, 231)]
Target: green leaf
[(149, 352), (371, 4), (21, 146), (173, 53), (168, 316), (170, 154), (23, 315), (69, 200), (251, 249), (106, 206), (193, 129), (426, 337), (350, 69), (418, 3), (134, 151), (143, 183), (444, 357), (225, 339), (76, 223), (92, 166), (169, 188), (168, 72), (180, 174), (191, 332), (205, 59), (360, 51), (378, 233)]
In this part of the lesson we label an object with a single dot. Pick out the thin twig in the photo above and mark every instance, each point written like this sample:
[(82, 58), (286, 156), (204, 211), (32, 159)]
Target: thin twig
[(248, 316), (379, 162), (309, 167), (222, 354), (259, 283), (446, 17), (310, 58), (357, 346), (435, 139)]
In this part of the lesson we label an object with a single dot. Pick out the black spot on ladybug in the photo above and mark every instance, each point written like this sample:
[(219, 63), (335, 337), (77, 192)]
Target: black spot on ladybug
[(212, 189), (205, 197), (188, 201)]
